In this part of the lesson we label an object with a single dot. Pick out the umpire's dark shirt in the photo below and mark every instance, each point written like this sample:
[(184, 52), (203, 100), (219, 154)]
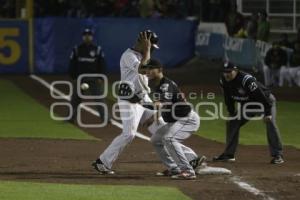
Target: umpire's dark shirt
[(244, 88), (86, 58), (168, 93)]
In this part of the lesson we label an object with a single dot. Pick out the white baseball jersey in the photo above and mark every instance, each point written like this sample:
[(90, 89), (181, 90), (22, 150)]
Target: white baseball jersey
[(132, 113), (129, 67)]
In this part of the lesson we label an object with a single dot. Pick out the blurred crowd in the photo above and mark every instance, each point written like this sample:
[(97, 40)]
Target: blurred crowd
[(255, 27), (282, 62), (280, 65), (114, 8), (7, 9), (204, 10)]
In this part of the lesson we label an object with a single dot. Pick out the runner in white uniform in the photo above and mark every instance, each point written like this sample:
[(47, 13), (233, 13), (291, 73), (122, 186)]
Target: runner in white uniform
[(131, 111)]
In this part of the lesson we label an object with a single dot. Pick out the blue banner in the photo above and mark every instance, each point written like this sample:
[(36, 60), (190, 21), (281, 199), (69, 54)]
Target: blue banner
[(209, 45), (13, 46), (241, 52), (55, 38)]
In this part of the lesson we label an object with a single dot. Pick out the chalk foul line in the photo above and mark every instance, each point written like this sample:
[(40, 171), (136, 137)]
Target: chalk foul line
[(87, 108)]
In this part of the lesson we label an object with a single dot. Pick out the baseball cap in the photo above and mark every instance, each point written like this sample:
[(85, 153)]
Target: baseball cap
[(228, 67), (153, 64), (87, 31)]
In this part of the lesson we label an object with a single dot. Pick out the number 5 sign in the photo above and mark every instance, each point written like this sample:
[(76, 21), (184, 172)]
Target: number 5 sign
[(13, 46)]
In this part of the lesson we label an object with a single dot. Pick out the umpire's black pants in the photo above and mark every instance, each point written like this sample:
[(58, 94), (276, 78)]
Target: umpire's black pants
[(273, 134), (95, 89)]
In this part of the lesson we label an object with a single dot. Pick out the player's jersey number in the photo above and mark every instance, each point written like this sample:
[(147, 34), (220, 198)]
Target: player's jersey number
[(7, 36)]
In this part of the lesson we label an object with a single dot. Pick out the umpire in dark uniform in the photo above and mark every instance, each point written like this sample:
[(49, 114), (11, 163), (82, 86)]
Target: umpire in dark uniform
[(243, 88), (87, 58)]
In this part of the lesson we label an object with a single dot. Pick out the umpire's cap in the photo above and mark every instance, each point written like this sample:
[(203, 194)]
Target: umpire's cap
[(153, 39), (153, 64), (228, 67), (87, 31)]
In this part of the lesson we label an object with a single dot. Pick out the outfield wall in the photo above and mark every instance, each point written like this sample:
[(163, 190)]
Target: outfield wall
[(14, 46), (55, 37)]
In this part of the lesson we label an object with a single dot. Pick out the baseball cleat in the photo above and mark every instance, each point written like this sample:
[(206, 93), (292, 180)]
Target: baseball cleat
[(224, 158), (198, 162), (99, 166), (168, 172), (277, 159), (185, 175)]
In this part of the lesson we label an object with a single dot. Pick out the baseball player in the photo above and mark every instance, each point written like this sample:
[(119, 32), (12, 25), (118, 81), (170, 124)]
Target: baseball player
[(181, 121), (87, 58), (133, 91), (242, 87)]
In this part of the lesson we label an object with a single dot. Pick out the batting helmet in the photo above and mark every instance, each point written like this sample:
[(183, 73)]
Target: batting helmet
[(153, 39)]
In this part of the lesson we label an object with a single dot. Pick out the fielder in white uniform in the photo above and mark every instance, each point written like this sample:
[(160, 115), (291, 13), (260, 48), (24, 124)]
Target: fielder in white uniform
[(132, 92)]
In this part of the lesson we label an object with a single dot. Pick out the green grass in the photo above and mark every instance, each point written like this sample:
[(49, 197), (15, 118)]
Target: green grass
[(48, 191), (254, 132), (21, 116)]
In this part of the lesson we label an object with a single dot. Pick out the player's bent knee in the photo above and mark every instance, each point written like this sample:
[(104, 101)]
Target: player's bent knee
[(156, 140)]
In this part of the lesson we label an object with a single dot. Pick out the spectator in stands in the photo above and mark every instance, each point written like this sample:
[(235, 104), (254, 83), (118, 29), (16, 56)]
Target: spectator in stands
[(242, 32), (103, 8), (234, 21), (275, 59), (294, 70), (297, 40), (131, 9), (284, 41), (77, 9), (172, 9), (252, 27), (121, 7), (146, 8), (184, 8), (284, 74), (263, 27)]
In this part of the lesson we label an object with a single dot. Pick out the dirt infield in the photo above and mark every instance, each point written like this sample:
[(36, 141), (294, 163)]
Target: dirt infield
[(68, 161)]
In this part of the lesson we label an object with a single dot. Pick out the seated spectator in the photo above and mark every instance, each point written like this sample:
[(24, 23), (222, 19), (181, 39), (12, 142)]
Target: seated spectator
[(251, 27), (294, 69), (284, 41), (297, 39), (275, 59), (284, 74), (263, 27)]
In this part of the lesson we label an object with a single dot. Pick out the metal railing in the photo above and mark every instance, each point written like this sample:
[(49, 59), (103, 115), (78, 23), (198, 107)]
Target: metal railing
[(284, 15)]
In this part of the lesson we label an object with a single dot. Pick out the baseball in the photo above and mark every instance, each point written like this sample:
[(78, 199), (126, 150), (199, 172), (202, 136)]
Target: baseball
[(84, 86)]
